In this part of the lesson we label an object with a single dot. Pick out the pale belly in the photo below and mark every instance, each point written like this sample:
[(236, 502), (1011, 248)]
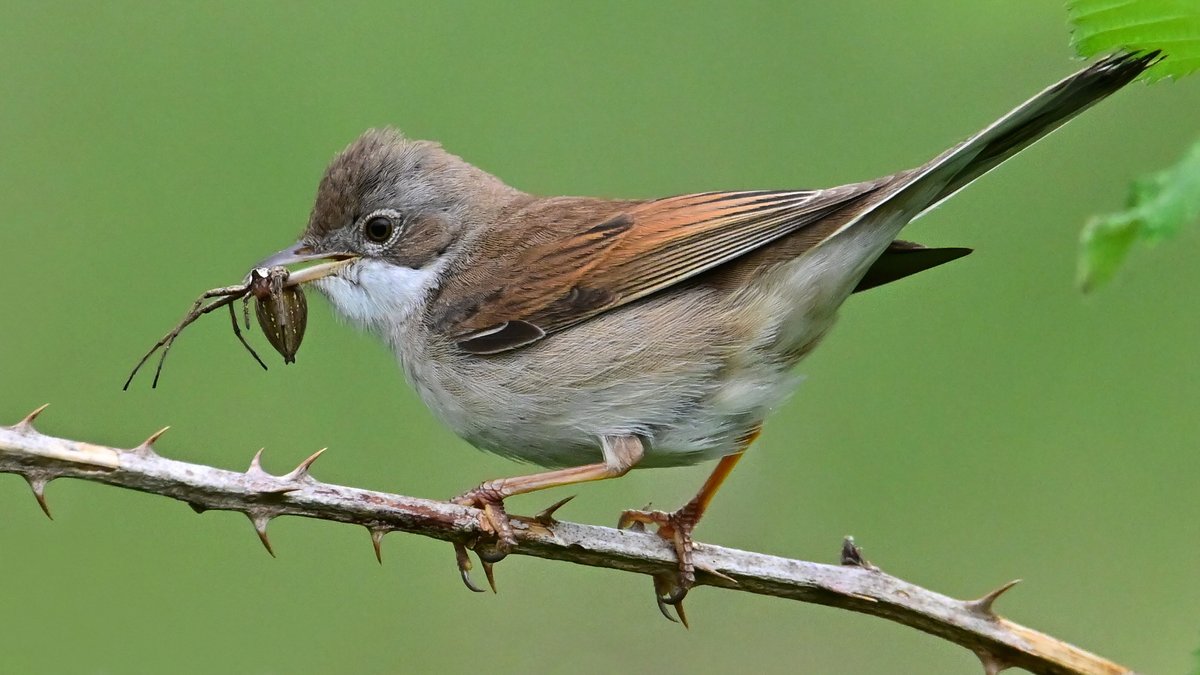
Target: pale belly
[(689, 381)]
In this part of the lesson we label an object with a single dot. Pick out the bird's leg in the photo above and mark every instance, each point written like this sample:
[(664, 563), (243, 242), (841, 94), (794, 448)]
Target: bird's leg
[(621, 453), (677, 528)]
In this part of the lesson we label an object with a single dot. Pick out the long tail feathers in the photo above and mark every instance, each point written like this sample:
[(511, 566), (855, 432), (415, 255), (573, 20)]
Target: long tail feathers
[(1042, 114), (951, 171)]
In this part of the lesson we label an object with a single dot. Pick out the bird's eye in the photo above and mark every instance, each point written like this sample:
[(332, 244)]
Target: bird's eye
[(378, 229)]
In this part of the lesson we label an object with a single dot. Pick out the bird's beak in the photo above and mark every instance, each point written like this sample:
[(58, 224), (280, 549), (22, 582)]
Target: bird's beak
[(301, 253)]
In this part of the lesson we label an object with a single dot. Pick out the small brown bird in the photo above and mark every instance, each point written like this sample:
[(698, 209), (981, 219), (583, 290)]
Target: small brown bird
[(593, 336)]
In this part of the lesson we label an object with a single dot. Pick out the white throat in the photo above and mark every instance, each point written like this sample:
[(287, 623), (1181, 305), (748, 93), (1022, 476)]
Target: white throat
[(378, 296)]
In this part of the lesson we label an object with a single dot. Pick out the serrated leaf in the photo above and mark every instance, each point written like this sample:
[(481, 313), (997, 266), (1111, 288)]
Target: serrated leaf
[(1173, 26), (1158, 206)]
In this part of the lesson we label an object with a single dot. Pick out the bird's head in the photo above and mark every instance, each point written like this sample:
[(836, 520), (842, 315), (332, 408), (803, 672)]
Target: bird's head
[(389, 215)]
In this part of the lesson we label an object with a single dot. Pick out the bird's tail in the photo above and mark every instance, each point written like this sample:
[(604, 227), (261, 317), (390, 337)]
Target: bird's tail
[(867, 255), (1030, 122), (916, 191)]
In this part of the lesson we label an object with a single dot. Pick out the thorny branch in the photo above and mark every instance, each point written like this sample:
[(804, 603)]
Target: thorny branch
[(855, 585)]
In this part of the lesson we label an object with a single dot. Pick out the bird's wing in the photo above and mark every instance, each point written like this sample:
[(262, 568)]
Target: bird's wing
[(600, 260), (603, 257)]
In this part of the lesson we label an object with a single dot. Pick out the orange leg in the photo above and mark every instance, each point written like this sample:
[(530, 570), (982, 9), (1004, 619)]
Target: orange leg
[(699, 504), (677, 528)]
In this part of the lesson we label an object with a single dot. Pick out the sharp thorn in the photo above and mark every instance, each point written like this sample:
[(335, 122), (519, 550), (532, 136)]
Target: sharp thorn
[(146, 449), (26, 423), (546, 515), (991, 664), (489, 572), (256, 464), (260, 521), (301, 471), (983, 606), (377, 541), (38, 485), (306, 464), (716, 573), (156, 435)]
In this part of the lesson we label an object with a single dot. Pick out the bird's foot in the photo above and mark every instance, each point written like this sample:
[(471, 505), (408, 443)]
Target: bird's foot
[(676, 528), (495, 522)]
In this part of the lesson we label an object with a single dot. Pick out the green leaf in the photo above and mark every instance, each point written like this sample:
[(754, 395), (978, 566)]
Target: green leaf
[(1157, 206), (1102, 26)]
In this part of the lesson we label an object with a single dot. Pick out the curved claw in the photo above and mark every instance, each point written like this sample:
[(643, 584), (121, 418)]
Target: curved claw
[(674, 599), (495, 520), (662, 607), (488, 557), (466, 577), (464, 566), (676, 530)]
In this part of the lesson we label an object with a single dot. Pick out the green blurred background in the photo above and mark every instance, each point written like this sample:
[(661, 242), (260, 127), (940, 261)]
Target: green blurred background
[(978, 423)]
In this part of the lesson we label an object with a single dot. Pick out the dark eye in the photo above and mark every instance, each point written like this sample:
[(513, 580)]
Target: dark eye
[(378, 229)]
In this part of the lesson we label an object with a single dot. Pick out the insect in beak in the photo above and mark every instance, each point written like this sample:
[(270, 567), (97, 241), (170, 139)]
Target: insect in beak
[(281, 307), (282, 310)]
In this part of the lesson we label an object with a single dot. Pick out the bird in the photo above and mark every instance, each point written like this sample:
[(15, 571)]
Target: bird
[(593, 336)]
